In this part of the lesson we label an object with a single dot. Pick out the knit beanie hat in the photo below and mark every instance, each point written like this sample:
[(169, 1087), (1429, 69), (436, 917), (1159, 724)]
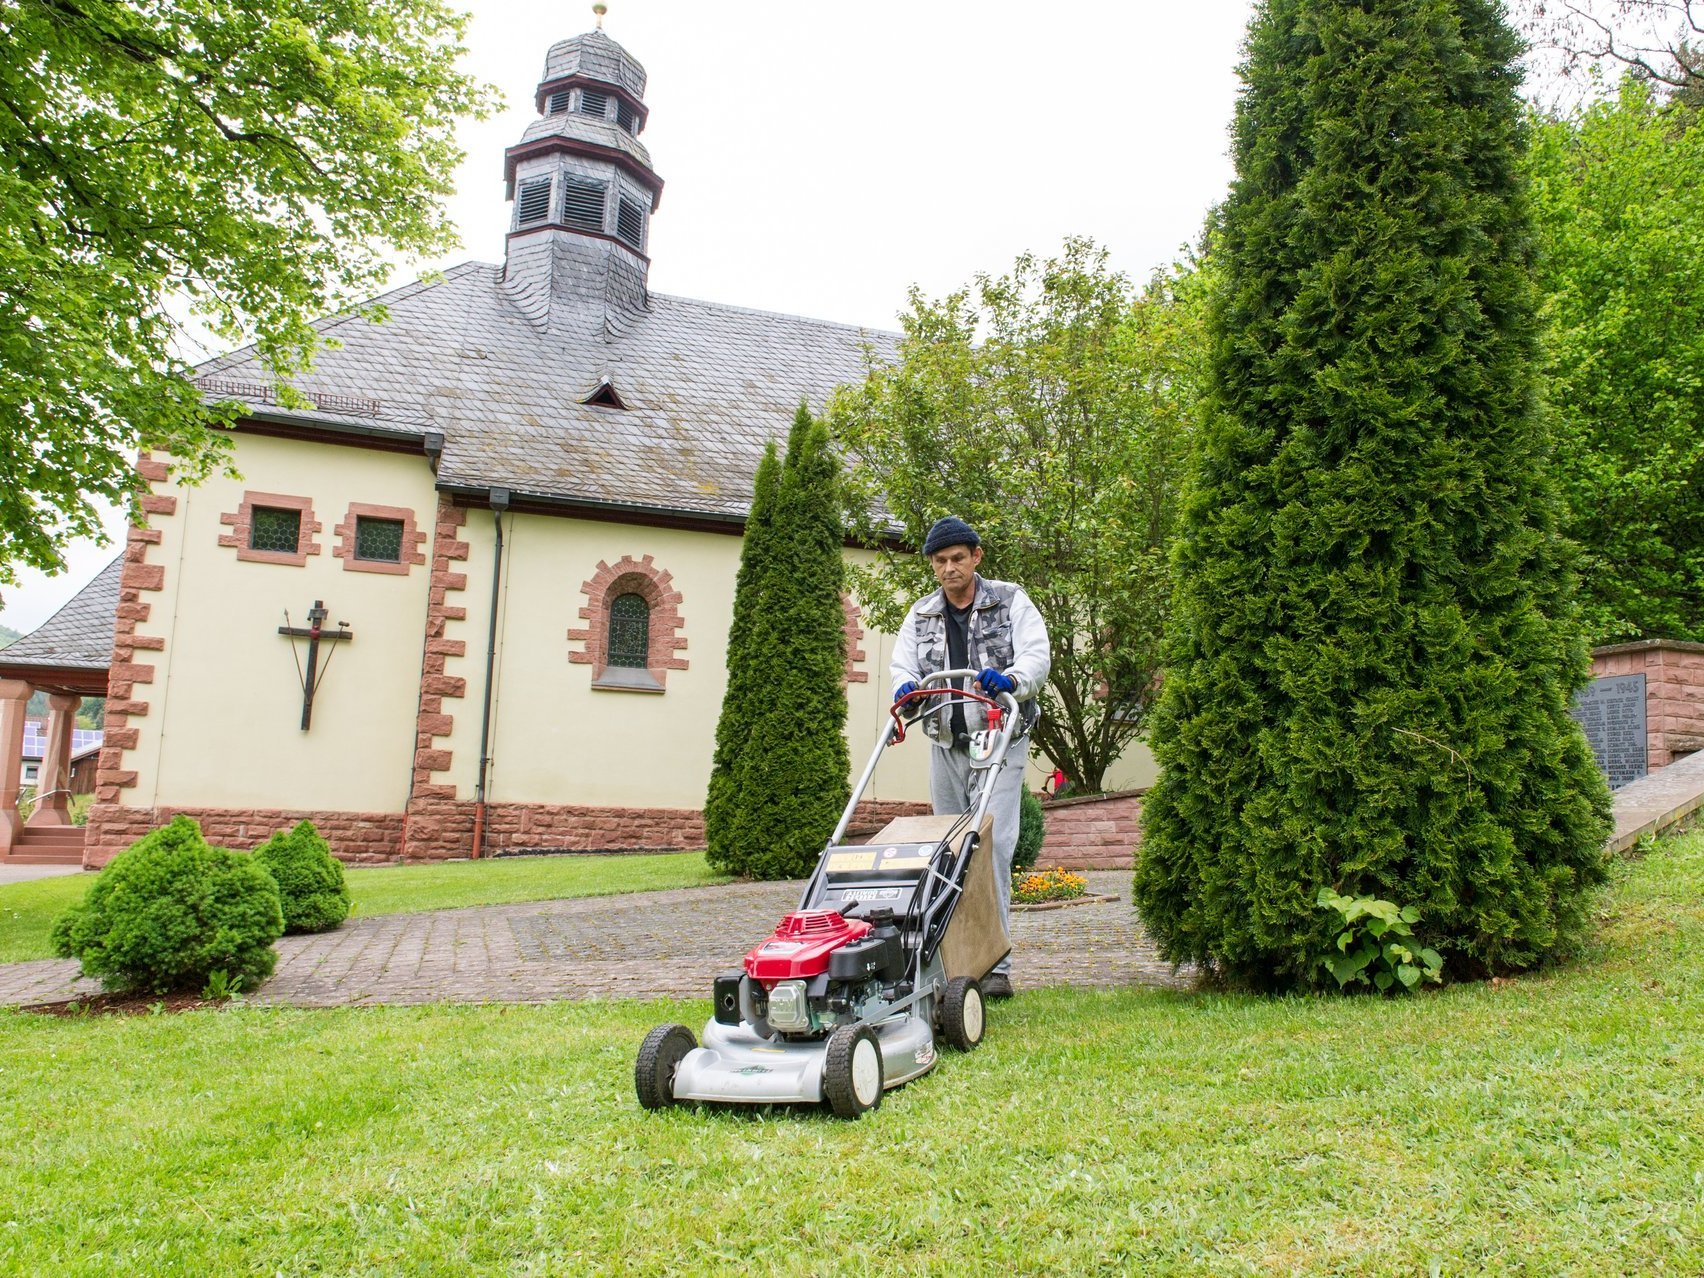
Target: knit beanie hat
[(951, 531)]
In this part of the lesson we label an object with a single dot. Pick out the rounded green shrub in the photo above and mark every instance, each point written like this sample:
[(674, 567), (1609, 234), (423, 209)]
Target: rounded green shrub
[(1032, 829), (169, 911), (310, 880)]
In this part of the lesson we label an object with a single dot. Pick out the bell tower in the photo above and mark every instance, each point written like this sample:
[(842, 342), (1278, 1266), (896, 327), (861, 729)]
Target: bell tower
[(582, 191)]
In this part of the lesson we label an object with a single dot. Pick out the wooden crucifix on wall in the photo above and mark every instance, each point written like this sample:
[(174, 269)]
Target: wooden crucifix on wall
[(315, 634)]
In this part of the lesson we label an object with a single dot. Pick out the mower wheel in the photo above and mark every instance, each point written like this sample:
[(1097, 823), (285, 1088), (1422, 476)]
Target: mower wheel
[(660, 1056), (852, 1072), (962, 1018)]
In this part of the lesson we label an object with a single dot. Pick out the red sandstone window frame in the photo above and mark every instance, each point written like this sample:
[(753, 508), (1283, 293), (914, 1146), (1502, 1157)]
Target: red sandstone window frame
[(412, 540), (241, 523), (854, 634), (655, 586)]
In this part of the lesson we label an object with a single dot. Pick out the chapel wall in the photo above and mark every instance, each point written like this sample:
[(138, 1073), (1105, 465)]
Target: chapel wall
[(213, 724)]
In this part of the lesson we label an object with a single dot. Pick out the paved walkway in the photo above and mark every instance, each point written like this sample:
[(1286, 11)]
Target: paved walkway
[(672, 944), (639, 945)]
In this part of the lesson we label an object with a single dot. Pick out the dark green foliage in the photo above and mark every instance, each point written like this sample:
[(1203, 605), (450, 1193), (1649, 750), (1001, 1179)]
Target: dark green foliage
[(310, 880), (1375, 641), (787, 785), (1618, 192), (746, 676), (1032, 829), (169, 911)]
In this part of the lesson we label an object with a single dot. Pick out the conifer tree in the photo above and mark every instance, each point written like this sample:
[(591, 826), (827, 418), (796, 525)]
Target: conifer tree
[(1375, 640), (745, 678), (790, 778)]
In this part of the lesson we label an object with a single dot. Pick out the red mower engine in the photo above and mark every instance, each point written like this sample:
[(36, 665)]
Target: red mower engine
[(801, 945), (818, 965)]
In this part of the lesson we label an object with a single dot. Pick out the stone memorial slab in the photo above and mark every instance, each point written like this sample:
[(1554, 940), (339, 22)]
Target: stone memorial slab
[(1612, 712)]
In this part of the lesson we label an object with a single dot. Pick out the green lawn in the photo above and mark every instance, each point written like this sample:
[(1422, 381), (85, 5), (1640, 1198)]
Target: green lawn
[(1548, 1125), (27, 909)]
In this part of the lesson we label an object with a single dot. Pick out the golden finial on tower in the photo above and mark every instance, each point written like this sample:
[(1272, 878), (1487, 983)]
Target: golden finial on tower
[(600, 9)]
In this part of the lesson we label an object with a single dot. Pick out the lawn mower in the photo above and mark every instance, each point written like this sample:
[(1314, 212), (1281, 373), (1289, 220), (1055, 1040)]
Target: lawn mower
[(887, 948)]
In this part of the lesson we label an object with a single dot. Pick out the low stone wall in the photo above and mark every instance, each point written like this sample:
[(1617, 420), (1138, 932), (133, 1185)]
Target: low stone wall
[(1096, 832), (442, 829), (360, 838)]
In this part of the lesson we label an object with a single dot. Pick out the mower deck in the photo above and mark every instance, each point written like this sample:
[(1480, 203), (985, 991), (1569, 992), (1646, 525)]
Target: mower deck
[(734, 1065)]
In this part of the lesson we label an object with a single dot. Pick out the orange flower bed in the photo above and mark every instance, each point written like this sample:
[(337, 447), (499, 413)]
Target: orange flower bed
[(1057, 884)]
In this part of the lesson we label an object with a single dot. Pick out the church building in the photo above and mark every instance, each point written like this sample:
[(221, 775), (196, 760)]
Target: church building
[(472, 591)]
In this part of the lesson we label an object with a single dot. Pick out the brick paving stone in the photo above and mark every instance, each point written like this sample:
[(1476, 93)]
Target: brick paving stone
[(671, 944), (641, 945)]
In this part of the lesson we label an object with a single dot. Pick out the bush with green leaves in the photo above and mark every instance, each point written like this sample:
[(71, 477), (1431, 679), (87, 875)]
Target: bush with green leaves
[(1374, 641), (1032, 829), (310, 880), (169, 911), (1377, 945)]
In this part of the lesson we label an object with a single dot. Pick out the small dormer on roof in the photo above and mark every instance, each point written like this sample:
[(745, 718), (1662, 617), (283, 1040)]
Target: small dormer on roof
[(583, 189)]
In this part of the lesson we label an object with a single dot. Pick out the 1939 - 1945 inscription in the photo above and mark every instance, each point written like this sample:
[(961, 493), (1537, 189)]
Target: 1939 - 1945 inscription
[(1612, 711)]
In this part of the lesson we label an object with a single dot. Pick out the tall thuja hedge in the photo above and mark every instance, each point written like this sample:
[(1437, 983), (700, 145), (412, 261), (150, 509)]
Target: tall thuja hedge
[(1375, 639), (745, 673), (790, 779)]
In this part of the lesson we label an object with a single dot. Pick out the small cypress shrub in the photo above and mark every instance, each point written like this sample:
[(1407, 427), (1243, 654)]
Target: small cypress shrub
[(169, 911), (791, 777), (310, 880), (1032, 829), (745, 674), (1374, 639)]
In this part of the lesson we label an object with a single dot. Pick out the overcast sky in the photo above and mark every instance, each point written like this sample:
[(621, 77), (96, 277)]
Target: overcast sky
[(821, 156)]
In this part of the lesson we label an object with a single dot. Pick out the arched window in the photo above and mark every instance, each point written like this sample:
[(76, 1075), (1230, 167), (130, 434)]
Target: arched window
[(632, 626), (629, 631)]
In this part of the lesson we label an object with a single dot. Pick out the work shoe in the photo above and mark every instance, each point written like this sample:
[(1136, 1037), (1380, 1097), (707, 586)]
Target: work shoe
[(998, 985)]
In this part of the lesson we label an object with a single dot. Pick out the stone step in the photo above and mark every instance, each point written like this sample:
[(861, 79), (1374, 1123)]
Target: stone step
[(21, 855), (47, 845), (52, 835)]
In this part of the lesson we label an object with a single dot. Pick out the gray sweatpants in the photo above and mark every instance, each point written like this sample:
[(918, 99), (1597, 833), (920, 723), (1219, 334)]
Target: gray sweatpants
[(949, 791)]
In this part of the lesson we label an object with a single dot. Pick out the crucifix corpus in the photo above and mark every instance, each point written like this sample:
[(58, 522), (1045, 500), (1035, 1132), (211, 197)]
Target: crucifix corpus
[(314, 634)]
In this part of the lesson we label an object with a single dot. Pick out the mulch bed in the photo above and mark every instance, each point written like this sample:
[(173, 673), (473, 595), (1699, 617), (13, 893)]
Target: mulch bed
[(125, 1005)]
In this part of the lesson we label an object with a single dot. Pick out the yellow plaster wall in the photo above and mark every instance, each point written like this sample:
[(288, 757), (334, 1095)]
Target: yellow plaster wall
[(223, 727), (557, 739)]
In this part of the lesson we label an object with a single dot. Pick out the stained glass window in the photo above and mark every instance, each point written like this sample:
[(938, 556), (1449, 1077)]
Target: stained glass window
[(629, 631), (378, 539), (275, 529)]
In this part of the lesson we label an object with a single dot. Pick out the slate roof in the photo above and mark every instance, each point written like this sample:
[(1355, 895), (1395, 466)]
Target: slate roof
[(79, 635), (503, 375), (596, 56)]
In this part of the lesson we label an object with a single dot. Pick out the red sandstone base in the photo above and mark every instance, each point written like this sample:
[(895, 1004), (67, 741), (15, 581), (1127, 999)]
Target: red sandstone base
[(437, 829), (1097, 832)]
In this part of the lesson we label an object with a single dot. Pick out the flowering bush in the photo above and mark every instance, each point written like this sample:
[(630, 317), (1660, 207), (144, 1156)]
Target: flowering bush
[(1057, 884)]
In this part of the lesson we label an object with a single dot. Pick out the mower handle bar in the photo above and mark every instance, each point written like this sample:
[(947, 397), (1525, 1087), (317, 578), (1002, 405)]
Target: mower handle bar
[(893, 730)]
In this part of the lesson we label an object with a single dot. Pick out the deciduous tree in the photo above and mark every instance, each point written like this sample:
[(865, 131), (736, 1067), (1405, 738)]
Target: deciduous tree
[(1052, 408), (1618, 192), (248, 164)]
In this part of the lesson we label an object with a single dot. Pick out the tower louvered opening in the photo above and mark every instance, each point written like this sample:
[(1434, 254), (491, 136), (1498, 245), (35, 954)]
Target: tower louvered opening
[(558, 104), (532, 204), (626, 116), (594, 104), (630, 223), (583, 204)]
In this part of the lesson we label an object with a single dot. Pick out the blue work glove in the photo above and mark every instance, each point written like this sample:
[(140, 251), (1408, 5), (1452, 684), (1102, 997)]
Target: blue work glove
[(993, 681), (904, 690)]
